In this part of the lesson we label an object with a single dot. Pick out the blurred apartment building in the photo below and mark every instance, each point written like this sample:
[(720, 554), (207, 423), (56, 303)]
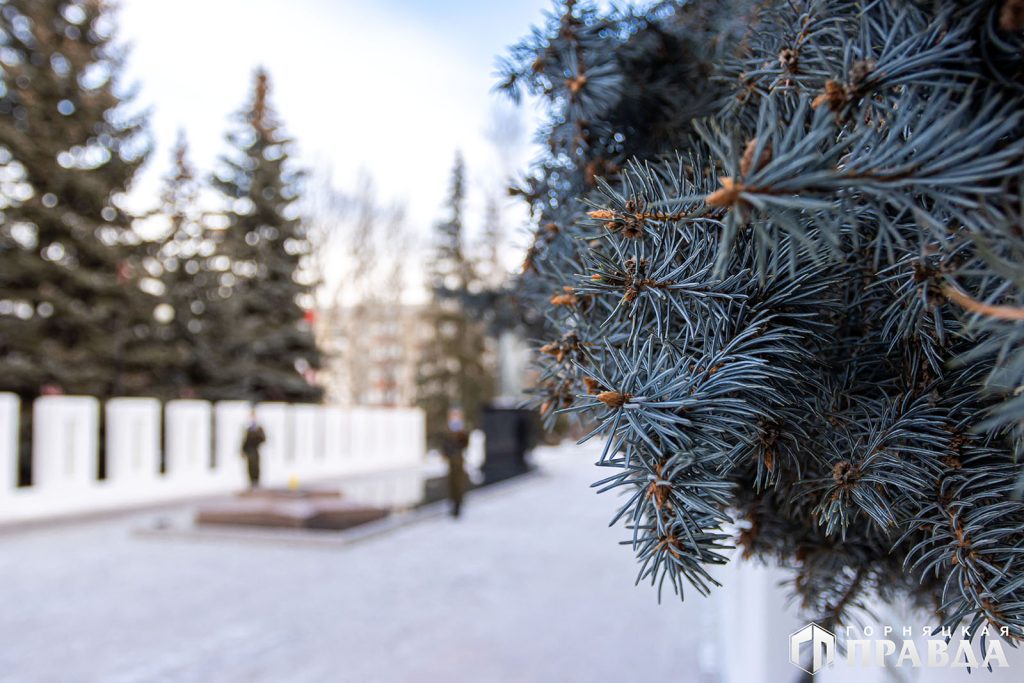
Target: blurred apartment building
[(371, 353)]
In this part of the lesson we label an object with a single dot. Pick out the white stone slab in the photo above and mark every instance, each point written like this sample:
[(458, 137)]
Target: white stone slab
[(337, 440), (359, 427), (304, 442), (65, 433), (9, 407), (275, 456), (230, 421), (133, 441), (188, 441), (307, 441)]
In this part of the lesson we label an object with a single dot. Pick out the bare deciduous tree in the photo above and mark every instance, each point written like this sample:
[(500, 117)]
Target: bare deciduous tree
[(361, 257)]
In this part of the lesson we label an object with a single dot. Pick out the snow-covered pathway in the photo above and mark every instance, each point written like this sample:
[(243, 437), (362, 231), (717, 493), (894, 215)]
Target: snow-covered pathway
[(529, 585)]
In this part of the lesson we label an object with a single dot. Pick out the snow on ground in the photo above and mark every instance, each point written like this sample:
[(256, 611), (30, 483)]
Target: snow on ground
[(530, 585)]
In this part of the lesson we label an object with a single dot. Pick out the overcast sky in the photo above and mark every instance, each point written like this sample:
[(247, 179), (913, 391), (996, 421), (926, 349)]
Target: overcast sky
[(390, 86)]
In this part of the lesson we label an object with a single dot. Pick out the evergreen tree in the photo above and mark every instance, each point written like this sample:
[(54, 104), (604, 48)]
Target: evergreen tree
[(270, 342), (453, 369), (489, 262), (191, 285), (71, 314), (781, 268)]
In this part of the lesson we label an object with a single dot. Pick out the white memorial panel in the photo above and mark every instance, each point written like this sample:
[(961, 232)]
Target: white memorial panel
[(133, 441), (230, 421), (65, 440), (188, 441), (9, 408), (275, 456)]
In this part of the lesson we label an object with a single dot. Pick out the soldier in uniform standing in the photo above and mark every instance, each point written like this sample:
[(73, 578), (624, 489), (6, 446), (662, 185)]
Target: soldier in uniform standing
[(454, 446), (251, 443)]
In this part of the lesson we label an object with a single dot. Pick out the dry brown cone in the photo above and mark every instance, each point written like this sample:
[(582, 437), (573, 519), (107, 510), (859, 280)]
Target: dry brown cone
[(576, 84), (554, 349), (1011, 16), (789, 59), (658, 491), (844, 472), (727, 196), (566, 298), (747, 163), (835, 96), (602, 214), (671, 545), (614, 399)]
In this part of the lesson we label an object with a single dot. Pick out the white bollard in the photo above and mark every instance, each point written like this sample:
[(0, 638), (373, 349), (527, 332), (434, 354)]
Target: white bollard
[(133, 444), (9, 419)]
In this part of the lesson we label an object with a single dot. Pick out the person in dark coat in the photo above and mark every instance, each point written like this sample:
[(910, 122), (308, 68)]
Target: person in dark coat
[(251, 443), (453, 447)]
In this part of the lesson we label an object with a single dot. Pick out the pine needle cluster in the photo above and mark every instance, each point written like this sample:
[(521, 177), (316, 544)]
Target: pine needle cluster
[(780, 259)]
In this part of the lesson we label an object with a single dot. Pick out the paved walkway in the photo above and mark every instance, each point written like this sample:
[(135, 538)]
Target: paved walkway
[(529, 586)]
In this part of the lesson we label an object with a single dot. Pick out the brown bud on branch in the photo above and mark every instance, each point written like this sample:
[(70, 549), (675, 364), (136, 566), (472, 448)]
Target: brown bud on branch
[(727, 196), (614, 399)]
